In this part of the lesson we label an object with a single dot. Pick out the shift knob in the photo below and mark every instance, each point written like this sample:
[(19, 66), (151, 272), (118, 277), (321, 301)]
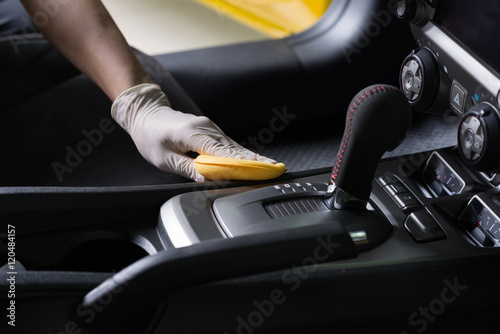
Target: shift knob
[(377, 121)]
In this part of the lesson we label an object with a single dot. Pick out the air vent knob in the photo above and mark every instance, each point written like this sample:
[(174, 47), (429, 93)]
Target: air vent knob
[(411, 11), (479, 137)]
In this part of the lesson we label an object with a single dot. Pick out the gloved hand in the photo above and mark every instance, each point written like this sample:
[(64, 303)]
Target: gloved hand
[(163, 136)]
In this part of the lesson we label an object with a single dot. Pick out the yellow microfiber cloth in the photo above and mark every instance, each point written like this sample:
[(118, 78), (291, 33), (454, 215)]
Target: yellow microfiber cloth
[(217, 168)]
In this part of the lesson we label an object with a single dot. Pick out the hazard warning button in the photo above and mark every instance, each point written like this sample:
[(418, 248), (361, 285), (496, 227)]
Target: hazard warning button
[(457, 98)]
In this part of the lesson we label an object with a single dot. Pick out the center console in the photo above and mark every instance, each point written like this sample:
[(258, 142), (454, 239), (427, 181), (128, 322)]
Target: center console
[(446, 197)]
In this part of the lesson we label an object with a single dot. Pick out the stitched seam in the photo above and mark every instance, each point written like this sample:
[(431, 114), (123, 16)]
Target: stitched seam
[(350, 116)]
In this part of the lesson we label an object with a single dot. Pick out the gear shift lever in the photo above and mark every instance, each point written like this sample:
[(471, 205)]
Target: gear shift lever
[(377, 120)]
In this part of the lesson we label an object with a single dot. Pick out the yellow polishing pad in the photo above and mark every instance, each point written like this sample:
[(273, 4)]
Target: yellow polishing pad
[(217, 168)]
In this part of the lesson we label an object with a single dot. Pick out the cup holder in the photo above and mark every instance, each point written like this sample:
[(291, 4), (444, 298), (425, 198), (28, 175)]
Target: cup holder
[(105, 253)]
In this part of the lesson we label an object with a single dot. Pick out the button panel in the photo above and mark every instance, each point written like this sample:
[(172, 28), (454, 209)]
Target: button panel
[(387, 179), (398, 191), (406, 201)]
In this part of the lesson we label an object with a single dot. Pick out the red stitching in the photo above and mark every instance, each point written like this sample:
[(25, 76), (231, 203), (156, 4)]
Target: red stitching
[(350, 116)]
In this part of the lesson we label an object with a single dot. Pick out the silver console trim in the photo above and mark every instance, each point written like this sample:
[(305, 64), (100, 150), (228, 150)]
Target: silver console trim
[(178, 228), (444, 46)]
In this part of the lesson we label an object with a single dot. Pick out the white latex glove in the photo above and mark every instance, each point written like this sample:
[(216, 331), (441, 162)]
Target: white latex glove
[(163, 135)]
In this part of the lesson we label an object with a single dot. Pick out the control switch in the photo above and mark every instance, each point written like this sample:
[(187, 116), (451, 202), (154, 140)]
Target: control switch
[(423, 227), (457, 99)]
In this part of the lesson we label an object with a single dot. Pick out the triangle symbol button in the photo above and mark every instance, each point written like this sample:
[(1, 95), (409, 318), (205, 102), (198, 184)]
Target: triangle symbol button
[(457, 100)]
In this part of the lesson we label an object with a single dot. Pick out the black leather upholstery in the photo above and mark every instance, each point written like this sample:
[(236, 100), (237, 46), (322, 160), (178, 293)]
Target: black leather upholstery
[(47, 111)]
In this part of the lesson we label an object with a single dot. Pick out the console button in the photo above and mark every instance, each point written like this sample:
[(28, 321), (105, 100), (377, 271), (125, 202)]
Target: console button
[(457, 99), (387, 179), (423, 227), (406, 201), (396, 189), (478, 144)]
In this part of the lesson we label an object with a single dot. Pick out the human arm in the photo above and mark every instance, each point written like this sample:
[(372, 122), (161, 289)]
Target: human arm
[(85, 33)]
